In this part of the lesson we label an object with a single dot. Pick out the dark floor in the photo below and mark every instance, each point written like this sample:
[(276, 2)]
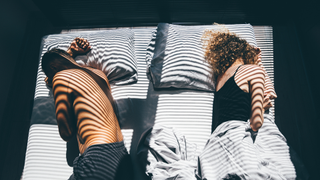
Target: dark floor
[(296, 61)]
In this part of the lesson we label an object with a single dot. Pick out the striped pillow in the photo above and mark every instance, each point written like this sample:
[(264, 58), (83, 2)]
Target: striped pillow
[(175, 56), (112, 52)]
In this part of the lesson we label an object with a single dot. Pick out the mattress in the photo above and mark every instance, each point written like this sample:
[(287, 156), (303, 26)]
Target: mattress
[(141, 107)]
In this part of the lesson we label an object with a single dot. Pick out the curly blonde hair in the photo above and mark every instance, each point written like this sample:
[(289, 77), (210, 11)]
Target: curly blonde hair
[(223, 48)]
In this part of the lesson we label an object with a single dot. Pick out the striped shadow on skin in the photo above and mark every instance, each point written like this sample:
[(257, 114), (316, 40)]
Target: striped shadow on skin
[(83, 108)]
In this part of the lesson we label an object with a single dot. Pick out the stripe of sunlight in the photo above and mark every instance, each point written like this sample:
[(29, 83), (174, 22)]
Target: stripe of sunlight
[(188, 112)]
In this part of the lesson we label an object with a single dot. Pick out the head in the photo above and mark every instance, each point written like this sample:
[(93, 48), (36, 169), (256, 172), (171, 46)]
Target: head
[(223, 48), (56, 60)]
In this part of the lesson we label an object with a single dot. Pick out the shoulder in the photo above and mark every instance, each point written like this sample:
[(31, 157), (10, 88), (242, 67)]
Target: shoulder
[(63, 73), (251, 69), (69, 74), (61, 76), (64, 77), (250, 72)]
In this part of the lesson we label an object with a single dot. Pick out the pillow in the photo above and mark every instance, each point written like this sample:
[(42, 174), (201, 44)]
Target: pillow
[(112, 52), (175, 56)]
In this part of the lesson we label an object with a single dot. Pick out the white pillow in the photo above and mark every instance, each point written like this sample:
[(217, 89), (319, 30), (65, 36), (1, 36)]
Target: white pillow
[(112, 52)]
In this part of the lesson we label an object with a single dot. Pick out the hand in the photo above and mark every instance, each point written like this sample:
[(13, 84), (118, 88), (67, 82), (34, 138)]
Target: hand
[(267, 101), (258, 56), (79, 46), (258, 50)]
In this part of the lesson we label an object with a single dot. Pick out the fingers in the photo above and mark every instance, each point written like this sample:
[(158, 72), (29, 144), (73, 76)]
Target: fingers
[(267, 102), (79, 42), (86, 45), (270, 94), (257, 49), (73, 44), (79, 46), (48, 81), (267, 99), (82, 43), (273, 95)]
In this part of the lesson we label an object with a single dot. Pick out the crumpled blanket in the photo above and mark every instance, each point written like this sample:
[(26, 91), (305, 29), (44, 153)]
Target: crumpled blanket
[(233, 151), (169, 155)]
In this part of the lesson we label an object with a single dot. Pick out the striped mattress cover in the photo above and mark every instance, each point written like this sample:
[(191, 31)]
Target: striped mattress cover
[(141, 107)]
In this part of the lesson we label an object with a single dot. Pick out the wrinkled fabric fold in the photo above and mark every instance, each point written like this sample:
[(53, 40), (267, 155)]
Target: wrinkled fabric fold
[(234, 150), (170, 156)]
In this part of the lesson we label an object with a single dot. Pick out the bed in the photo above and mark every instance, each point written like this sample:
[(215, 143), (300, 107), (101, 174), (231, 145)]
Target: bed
[(141, 103)]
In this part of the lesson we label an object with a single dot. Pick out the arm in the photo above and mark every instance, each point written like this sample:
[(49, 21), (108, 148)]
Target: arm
[(270, 93), (256, 88), (77, 47), (64, 110)]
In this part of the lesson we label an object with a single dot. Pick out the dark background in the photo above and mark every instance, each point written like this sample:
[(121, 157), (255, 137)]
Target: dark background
[(296, 31)]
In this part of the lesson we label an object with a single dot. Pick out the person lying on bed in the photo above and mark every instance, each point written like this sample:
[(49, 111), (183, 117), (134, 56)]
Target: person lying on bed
[(85, 109), (237, 67), (244, 143)]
